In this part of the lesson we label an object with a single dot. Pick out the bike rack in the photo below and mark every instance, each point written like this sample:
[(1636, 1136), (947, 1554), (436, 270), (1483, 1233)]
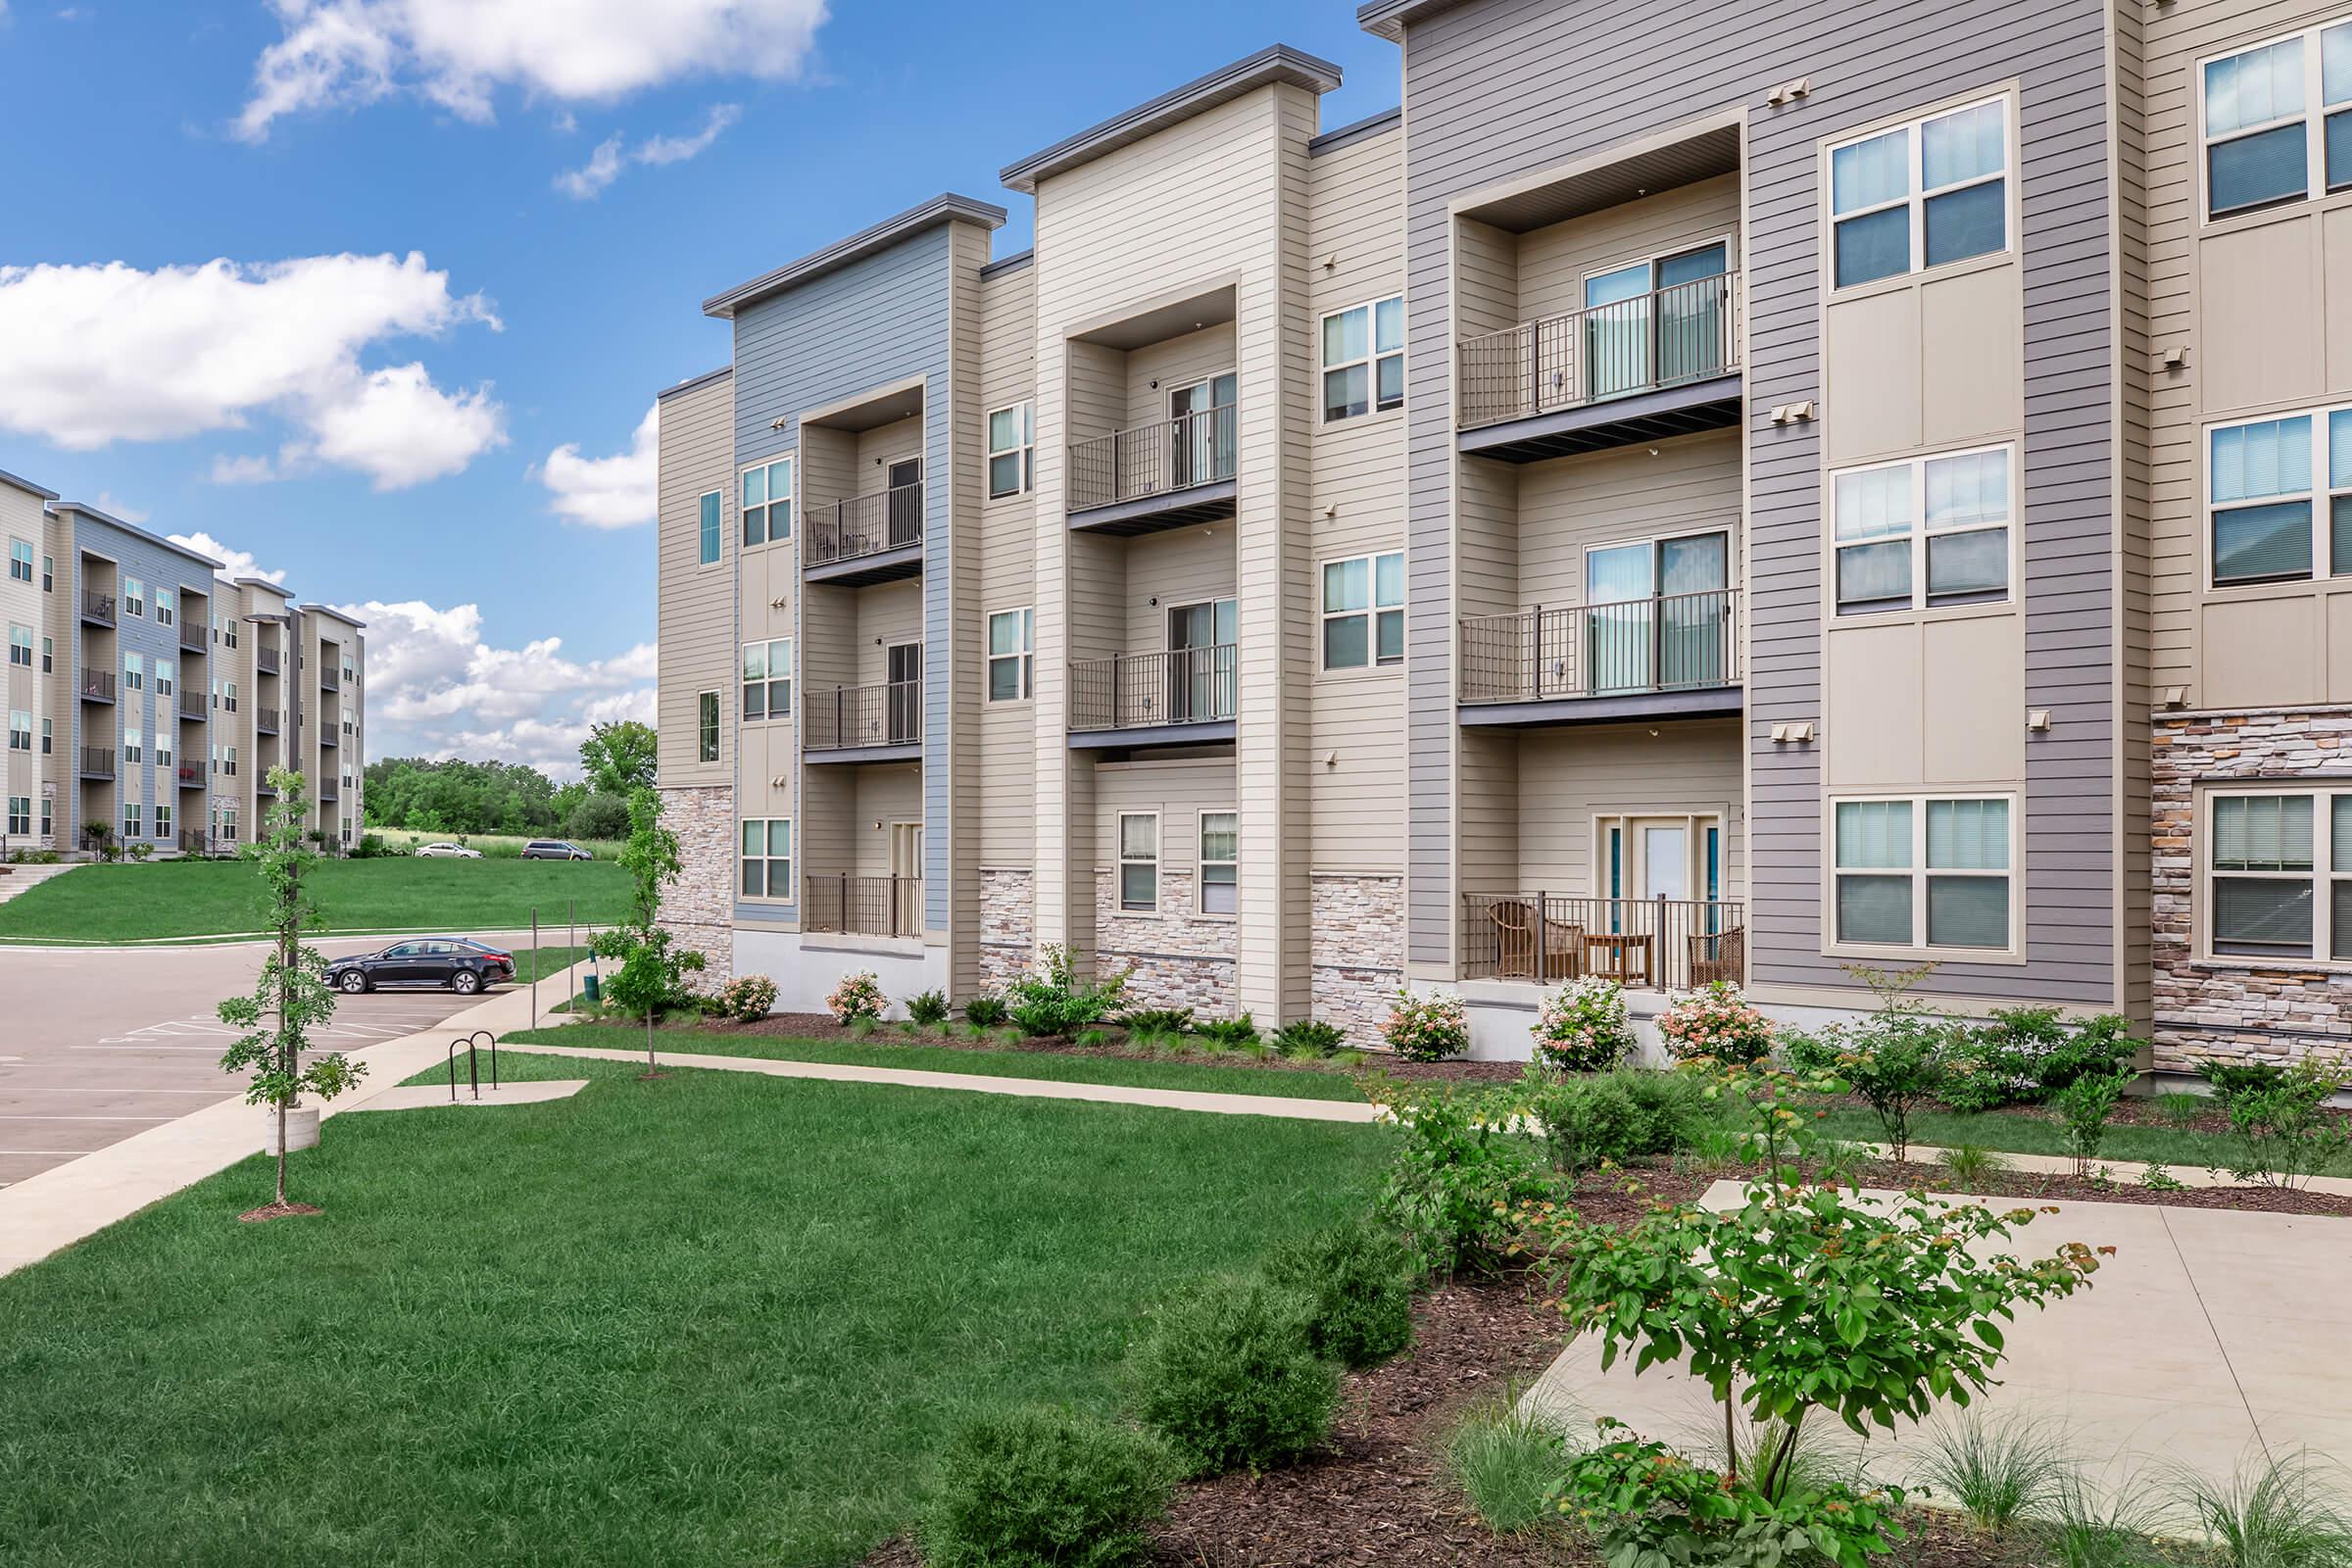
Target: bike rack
[(474, 1063)]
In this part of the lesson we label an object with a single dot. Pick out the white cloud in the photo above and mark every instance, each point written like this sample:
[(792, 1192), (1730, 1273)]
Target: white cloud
[(234, 564), (242, 471), (615, 492), (459, 53), (437, 689), (112, 507), (612, 155), (94, 353)]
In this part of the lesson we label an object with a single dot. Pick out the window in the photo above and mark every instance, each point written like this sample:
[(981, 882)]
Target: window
[(48, 819), (1364, 612), (1220, 858), (1139, 860), (708, 523), (2279, 887), (1363, 360), (767, 679), (163, 747), (766, 857), (229, 761), (166, 608), (48, 574), (135, 820), (48, 654), (48, 736), (705, 718), (1956, 508), (165, 671), (767, 503), (228, 695), (229, 824), (1011, 655), (1012, 441), (20, 646), (1921, 195), (2265, 482), (229, 633), (1929, 873), (131, 745), (163, 820), (134, 673), (2263, 144), (134, 597), (20, 730), (20, 560), (19, 815)]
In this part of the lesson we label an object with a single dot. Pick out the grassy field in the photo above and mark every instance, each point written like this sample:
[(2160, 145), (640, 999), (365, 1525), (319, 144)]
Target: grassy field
[(167, 899), (881, 1051), (707, 1318), (494, 846)]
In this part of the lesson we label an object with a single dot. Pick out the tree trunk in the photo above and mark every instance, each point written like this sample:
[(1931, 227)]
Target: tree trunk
[(649, 1042), (285, 1000)]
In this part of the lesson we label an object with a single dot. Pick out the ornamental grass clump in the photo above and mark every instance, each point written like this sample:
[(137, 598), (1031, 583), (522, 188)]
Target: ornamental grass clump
[(1046, 1489), (1228, 1376), (1584, 1026), (1509, 1459), (1428, 1027), (857, 996), (1716, 1024)]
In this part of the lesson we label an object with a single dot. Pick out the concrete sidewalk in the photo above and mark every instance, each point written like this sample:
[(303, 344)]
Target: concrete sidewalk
[(61, 1205)]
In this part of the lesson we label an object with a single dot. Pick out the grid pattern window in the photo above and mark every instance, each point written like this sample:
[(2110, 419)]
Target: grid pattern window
[(1011, 655), (48, 736), (1928, 872), (229, 761), (48, 574), (134, 597), (1921, 195), (163, 820), (2278, 498), (1011, 446), (767, 494), (1220, 862), (767, 679), (766, 859), (706, 724), (135, 820), (133, 749), (1364, 612), (1954, 508), (2276, 121), (708, 523), (163, 747), (165, 673), (229, 632), (1363, 360), (20, 646), (166, 608), (19, 815), (20, 730), (2278, 874), (134, 673), (48, 821), (48, 654), (1138, 861), (229, 823), (20, 560)]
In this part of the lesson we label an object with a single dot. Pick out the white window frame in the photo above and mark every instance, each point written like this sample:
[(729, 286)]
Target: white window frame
[(790, 463), (48, 656), (229, 824), (1372, 611), (1370, 359), (19, 815), (1919, 873), (20, 646), (20, 725), (1027, 653), (1918, 532), (1202, 862), (163, 819), (166, 676), (228, 697), (1027, 448), (167, 607), (1916, 196), (229, 763), (2313, 117), (707, 735), (767, 862), (20, 560), (135, 820), (163, 746), (134, 597), (134, 746), (769, 681), (2319, 495), (1121, 859), (2321, 878), (48, 736), (135, 672), (710, 542)]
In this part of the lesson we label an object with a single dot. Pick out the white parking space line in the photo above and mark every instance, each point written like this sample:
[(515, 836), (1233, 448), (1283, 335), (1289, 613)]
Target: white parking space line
[(12, 1116), (8, 1088)]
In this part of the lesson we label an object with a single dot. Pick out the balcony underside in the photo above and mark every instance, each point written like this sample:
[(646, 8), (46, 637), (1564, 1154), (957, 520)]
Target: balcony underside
[(1616, 707), (887, 751), (1713, 404), (1209, 733), (191, 783), (1171, 509), (858, 571)]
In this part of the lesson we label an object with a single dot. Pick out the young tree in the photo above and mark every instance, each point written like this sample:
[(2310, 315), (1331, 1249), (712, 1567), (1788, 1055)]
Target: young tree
[(618, 758), (652, 971), (292, 995)]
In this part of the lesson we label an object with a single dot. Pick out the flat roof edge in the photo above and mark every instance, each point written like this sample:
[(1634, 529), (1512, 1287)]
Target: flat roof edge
[(27, 485), (112, 522), (693, 381), (943, 208), (1364, 129)]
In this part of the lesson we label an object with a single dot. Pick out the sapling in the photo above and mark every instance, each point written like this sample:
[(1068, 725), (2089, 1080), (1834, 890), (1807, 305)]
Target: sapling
[(652, 970)]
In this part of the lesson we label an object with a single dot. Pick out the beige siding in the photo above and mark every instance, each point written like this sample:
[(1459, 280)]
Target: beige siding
[(1182, 567), (695, 615), (1570, 777), (886, 614), (1568, 506), (1007, 576), (1553, 263), (1178, 788), (882, 445), (888, 793), (1157, 370)]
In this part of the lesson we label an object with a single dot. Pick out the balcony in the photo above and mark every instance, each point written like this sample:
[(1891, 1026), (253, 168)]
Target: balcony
[(873, 538), (328, 790), (192, 636), (265, 659), (878, 723), (265, 789), (327, 681), (865, 906), (265, 720), (97, 609), (191, 776), (1643, 944), (1672, 655), (192, 707), (97, 685), (327, 737), (1187, 696), (97, 761), (1155, 476), (1661, 364)]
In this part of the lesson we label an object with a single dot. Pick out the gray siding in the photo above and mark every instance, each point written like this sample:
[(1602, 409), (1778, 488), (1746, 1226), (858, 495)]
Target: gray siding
[(1510, 87)]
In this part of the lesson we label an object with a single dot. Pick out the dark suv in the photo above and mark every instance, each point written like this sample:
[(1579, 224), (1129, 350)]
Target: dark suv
[(555, 850), (445, 963)]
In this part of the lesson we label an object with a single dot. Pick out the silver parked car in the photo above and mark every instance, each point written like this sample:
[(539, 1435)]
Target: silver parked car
[(447, 851), (555, 850)]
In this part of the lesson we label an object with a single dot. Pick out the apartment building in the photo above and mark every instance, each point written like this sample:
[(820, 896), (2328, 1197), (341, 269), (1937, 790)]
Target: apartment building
[(148, 696), (1689, 502)]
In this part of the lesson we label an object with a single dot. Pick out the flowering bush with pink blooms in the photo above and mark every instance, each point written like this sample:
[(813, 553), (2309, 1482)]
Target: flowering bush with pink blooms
[(1427, 1028), (858, 996), (1716, 1023), (1582, 1026)]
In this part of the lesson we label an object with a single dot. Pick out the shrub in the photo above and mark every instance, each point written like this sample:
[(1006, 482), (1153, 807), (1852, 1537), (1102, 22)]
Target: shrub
[(1614, 1116), (857, 996), (929, 1009), (1357, 1285), (1458, 1175), (1895, 1061), (2283, 1129), (1051, 999), (1507, 1458), (746, 998), (141, 849), (984, 1011), (2232, 1076), (1309, 1039), (1226, 1375), (1047, 1487), (1648, 1504), (369, 848), (1427, 1028), (1716, 1023), (2084, 1107), (1232, 1032), (1582, 1026), (2025, 1056), (1157, 1021)]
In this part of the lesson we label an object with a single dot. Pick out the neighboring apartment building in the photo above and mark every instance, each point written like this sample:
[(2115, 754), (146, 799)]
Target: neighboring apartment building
[(1690, 501), (285, 694)]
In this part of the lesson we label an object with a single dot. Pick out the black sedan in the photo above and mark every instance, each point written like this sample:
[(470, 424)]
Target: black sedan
[(445, 963)]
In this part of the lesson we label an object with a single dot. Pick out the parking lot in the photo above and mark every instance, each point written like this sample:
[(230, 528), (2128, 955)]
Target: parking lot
[(99, 1045)]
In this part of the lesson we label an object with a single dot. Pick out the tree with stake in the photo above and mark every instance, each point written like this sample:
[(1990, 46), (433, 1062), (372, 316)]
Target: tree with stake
[(292, 996), (651, 973)]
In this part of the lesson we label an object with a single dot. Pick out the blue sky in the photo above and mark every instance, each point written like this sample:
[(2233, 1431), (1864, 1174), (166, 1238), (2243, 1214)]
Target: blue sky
[(381, 429)]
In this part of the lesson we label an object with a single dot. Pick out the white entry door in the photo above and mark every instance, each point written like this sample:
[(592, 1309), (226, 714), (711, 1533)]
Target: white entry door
[(1665, 860)]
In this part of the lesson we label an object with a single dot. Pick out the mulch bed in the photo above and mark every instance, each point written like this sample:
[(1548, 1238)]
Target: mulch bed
[(2054, 1187)]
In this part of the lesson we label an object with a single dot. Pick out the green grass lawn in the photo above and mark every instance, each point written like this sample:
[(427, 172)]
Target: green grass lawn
[(2016, 1133), (167, 899), (1138, 1072), (709, 1319)]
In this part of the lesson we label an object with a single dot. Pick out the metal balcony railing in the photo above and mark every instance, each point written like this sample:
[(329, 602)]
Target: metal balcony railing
[(191, 706), (98, 685), (191, 637), (1670, 642), (327, 681), (265, 720), (328, 791), (99, 608), (1646, 943), (97, 761), (867, 525), (1687, 332), (865, 906), (1153, 460), (1182, 686), (327, 736), (191, 776), (265, 659), (890, 714)]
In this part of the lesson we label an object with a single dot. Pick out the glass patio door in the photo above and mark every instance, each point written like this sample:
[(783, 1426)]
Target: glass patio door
[(1618, 591), (1694, 609), (1616, 344), (905, 693), (1202, 447), (1200, 661), (1656, 322), (1694, 295)]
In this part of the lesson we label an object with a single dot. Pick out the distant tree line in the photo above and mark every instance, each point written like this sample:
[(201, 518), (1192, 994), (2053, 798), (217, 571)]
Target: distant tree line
[(459, 796)]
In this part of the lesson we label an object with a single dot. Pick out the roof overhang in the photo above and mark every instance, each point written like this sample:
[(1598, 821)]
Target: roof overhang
[(27, 485), (1389, 18), (942, 209)]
